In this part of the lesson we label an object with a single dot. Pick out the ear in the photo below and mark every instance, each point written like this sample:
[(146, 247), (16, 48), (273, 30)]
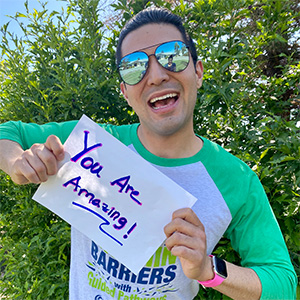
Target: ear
[(199, 73), (124, 91)]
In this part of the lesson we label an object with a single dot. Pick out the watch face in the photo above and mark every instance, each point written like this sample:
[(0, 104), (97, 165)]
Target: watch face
[(220, 267)]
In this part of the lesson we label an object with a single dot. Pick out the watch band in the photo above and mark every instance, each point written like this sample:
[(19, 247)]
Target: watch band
[(218, 278)]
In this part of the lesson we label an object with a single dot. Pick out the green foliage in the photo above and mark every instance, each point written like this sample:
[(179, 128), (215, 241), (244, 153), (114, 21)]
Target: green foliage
[(63, 67), (34, 246), (249, 103)]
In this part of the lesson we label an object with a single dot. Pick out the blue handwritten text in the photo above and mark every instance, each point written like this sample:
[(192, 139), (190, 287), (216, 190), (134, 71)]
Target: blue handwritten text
[(126, 187)]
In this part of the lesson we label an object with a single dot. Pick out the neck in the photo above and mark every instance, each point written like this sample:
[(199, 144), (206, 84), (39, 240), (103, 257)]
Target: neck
[(178, 145)]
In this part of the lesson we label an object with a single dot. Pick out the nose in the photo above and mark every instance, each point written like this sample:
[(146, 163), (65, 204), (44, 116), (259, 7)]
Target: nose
[(156, 72)]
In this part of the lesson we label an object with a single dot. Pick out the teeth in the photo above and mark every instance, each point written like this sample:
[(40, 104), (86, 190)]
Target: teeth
[(163, 97)]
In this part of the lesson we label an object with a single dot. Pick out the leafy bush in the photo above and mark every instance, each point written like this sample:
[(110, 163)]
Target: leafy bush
[(250, 100), (35, 246), (249, 103), (61, 68)]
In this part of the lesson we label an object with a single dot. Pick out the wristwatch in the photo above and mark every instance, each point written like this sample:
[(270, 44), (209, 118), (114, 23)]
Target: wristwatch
[(220, 271)]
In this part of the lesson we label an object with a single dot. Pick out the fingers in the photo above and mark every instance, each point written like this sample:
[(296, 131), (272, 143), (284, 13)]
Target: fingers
[(54, 144), (23, 172), (186, 239), (34, 170), (42, 161), (184, 221), (185, 234), (39, 162), (182, 246)]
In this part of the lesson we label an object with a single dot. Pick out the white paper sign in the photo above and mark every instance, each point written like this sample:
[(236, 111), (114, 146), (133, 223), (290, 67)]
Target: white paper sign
[(112, 195)]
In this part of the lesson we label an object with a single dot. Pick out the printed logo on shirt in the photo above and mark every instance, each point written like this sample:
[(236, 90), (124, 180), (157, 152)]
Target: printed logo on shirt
[(108, 275)]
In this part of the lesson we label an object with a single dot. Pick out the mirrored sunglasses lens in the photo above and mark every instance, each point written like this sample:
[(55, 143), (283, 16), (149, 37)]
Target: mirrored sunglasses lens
[(133, 67), (174, 56)]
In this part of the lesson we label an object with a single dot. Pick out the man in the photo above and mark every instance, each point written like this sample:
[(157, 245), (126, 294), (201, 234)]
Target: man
[(231, 201), (170, 65)]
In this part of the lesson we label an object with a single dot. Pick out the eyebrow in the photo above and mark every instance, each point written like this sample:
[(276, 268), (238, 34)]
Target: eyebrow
[(140, 50), (151, 46)]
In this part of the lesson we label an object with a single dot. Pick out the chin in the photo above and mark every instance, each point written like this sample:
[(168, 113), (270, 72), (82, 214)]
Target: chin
[(169, 129)]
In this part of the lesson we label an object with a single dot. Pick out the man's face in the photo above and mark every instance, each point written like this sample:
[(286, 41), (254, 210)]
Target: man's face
[(163, 100)]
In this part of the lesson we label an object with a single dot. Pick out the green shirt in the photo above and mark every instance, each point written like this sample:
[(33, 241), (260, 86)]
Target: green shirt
[(231, 203)]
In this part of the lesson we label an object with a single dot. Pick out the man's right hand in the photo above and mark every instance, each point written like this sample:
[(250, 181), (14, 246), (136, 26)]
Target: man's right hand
[(34, 165)]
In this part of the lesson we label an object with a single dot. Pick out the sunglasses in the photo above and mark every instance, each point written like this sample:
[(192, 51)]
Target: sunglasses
[(173, 56)]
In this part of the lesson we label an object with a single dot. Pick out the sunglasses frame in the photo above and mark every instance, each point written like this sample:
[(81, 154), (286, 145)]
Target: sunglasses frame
[(143, 73)]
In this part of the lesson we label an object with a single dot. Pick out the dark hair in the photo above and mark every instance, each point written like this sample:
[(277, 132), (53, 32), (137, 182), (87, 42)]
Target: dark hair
[(154, 15)]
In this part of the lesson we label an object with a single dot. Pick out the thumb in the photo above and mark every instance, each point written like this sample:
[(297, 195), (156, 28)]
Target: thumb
[(54, 145)]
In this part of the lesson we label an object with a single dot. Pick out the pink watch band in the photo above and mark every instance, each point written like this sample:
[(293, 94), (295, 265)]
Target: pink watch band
[(217, 280)]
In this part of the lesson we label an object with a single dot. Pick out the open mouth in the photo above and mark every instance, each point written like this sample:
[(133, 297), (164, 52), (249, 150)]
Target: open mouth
[(163, 101)]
